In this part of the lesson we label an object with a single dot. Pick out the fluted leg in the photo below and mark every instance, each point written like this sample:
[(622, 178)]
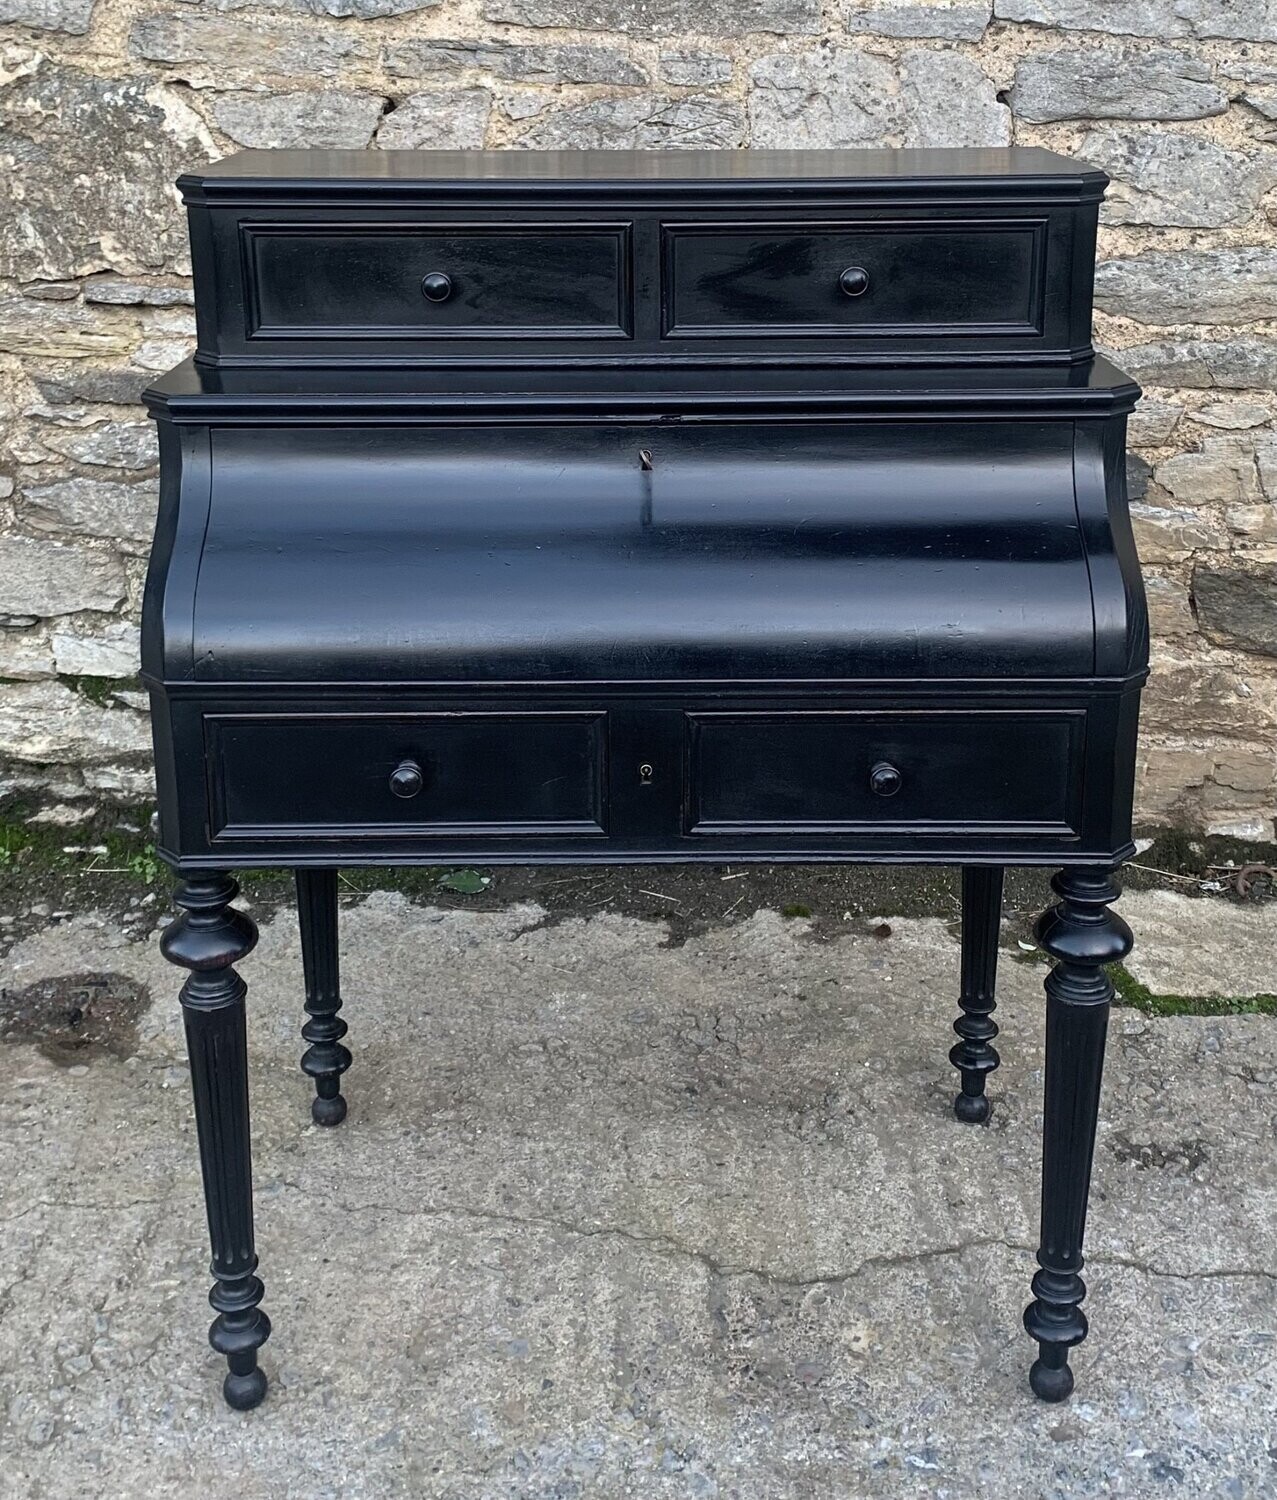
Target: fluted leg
[(975, 1056), (1081, 935), (325, 1060), (207, 938)]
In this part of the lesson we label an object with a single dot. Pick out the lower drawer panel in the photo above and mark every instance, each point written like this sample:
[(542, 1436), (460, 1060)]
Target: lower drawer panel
[(620, 773), (405, 775), (833, 772)]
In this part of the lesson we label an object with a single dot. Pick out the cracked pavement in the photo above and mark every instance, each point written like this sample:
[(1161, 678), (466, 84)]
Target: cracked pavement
[(613, 1217)]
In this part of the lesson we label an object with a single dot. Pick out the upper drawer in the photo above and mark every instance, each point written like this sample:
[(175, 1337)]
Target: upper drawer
[(920, 278), (678, 259), (360, 281)]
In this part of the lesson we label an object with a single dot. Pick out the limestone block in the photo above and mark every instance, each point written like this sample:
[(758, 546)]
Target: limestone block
[(48, 722), (1237, 606), (325, 119), (437, 119), (109, 650), (1190, 286), (92, 507), (639, 122), (960, 20), (1115, 83), (662, 17), (1163, 177), (44, 578), (98, 160)]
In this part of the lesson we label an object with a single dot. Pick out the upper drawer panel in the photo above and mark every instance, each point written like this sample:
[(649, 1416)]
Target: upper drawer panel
[(677, 259), (353, 281), (921, 278)]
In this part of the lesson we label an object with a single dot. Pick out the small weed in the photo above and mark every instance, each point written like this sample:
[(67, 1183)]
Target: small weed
[(465, 882), (145, 866), (795, 909)]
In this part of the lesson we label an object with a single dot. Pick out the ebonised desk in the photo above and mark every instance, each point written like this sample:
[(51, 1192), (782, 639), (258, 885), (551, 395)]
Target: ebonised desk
[(656, 506)]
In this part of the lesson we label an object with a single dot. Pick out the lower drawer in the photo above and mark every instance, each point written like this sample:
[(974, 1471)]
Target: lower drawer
[(405, 775), (614, 774), (830, 772)]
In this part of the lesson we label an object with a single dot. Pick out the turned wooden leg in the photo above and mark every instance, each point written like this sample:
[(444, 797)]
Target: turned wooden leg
[(975, 1056), (1081, 935), (207, 938), (325, 1060)]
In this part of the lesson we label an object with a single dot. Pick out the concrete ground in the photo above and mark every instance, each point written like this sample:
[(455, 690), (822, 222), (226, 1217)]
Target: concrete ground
[(614, 1215)]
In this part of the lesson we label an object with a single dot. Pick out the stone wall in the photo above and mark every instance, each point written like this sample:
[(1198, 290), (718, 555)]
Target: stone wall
[(103, 102)]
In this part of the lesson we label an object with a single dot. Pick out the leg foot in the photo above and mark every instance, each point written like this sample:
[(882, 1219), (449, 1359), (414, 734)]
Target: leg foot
[(244, 1392), (1082, 936), (328, 1111), (1051, 1382), (325, 1060), (972, 1109), (207, 939), (975, 1056)]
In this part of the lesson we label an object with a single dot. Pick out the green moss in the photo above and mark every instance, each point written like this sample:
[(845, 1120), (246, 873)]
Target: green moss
[(38, 850), (99, 690), (1136, 995), (1034, 957), (418, 882), (1203, 856), (10, 843), (32, 845), (1133, 993), (795, 909)]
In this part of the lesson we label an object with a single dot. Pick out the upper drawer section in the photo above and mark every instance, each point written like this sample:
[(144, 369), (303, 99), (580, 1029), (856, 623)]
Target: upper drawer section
[(351, 282), (912, 278), (671, 258)]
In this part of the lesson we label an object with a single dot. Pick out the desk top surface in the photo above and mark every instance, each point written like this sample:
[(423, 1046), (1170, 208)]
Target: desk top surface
[(1014, 167), (198, 393)]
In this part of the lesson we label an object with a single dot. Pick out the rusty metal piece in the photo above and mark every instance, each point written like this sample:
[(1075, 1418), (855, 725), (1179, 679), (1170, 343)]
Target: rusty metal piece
[(1246, 876)]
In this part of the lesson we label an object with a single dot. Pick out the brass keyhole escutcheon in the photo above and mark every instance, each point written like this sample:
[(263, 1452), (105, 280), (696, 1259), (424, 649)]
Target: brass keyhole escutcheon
[(646, 772)]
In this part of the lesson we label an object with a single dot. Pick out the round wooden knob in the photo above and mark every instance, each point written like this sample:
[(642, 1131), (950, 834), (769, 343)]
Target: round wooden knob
[(406, 779), (885, 780), (436, 287), (854, 281)]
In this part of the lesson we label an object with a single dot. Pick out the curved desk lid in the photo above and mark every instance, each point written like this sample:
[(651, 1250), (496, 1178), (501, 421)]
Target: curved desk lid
[(540, 553)]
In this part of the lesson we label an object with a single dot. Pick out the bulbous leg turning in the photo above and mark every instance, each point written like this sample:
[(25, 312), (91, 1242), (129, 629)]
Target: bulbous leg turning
[(975, 1056), (238, 1331), (207, 939), (325, 1060), (1082, 936)]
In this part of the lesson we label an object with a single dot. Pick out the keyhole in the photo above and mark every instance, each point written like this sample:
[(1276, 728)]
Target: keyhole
[(645, 774)]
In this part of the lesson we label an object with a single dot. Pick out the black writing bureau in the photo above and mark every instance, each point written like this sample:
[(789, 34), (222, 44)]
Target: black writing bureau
[(635, 506)]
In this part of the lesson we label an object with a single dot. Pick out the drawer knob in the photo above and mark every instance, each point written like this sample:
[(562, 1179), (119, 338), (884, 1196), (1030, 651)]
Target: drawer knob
[(854, 281), (406, 779), (436, 287), (884, 779)]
